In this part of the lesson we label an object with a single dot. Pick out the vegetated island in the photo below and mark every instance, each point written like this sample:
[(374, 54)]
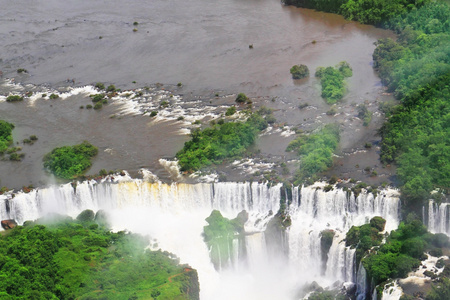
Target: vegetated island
[(222, 140), (62, 258), (6, 142), (332, 81), (68, 162)]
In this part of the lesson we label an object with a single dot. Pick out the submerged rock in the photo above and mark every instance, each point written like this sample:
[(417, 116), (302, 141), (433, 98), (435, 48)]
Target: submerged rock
[(8, 224)]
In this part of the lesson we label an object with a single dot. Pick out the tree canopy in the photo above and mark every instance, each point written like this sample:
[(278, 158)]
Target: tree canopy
[(70, 161)]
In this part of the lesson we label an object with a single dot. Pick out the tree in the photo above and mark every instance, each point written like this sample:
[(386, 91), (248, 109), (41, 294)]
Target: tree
[(299, 71)]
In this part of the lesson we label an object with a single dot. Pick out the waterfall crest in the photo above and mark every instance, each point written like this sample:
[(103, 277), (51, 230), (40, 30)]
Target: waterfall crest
[(438, 217)]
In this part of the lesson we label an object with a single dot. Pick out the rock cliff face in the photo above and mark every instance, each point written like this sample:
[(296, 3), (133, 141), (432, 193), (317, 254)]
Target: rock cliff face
[(8, 224)]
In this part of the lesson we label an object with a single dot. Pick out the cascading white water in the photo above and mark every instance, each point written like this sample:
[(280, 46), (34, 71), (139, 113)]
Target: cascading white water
[(439, 217), (392, 291), (173, 215), (362, 287), (314, 210)]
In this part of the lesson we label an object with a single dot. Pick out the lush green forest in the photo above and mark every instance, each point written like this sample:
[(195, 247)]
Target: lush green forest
[(316, 150), (82, 259), (70, 161), (416, 68), (221, 140), (375, 12)]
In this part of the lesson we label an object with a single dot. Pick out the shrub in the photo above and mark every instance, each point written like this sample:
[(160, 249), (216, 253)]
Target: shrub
[(153, 113), (180, 118), (21, 70), (16, 156), (53, 96), (299, 71), (14, 98), (241, 98), (98, 105), (89, 106), (97, 98), (33, 137), (111, 88), (100, 86), (230, 111), (135, 23)]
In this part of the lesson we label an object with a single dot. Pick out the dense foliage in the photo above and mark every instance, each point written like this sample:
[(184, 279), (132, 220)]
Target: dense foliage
[(365, 11), (5, 135), (299, 71), (316, 150), (417, 69), (332, 81), (222, 140), (365, 236), (70, 161), (82, 260), (403, 250)]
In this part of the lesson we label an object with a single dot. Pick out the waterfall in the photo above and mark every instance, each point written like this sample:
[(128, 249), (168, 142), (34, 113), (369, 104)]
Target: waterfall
[(338, 210), (341, 260), (362, 288), (392, 291), (173, 216), (438, 217)]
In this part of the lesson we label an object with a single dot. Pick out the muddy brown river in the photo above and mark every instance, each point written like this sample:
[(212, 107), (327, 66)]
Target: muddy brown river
[(202, 44)]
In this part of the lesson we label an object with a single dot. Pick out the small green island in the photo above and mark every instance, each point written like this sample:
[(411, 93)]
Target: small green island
[(332, 81), (222, 140), (68, 162)]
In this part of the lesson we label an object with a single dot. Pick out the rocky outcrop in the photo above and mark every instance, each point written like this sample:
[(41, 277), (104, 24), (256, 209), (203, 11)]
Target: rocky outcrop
[(8, 224)]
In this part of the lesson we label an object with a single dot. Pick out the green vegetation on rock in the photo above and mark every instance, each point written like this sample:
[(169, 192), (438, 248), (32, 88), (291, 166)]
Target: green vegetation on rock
[(5, 135), (84, 260), (241, 98), (299, 71), (400, 254), (316, 150), (332, 81), (219, 235), (222, 140), (14, 98), (70, 161)]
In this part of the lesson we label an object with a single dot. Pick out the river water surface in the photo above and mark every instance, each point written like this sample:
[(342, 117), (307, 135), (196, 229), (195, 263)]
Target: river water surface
[(203, 45)]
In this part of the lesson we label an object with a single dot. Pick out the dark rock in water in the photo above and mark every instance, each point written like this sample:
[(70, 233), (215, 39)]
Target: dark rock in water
[(430, 274), (101, 218), (86, 215), (326, 240), (9, 224)]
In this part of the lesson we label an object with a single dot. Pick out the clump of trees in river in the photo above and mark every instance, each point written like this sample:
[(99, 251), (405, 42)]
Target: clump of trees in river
[(70, 161), (316, 150), (332, 81), (222, 140)]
